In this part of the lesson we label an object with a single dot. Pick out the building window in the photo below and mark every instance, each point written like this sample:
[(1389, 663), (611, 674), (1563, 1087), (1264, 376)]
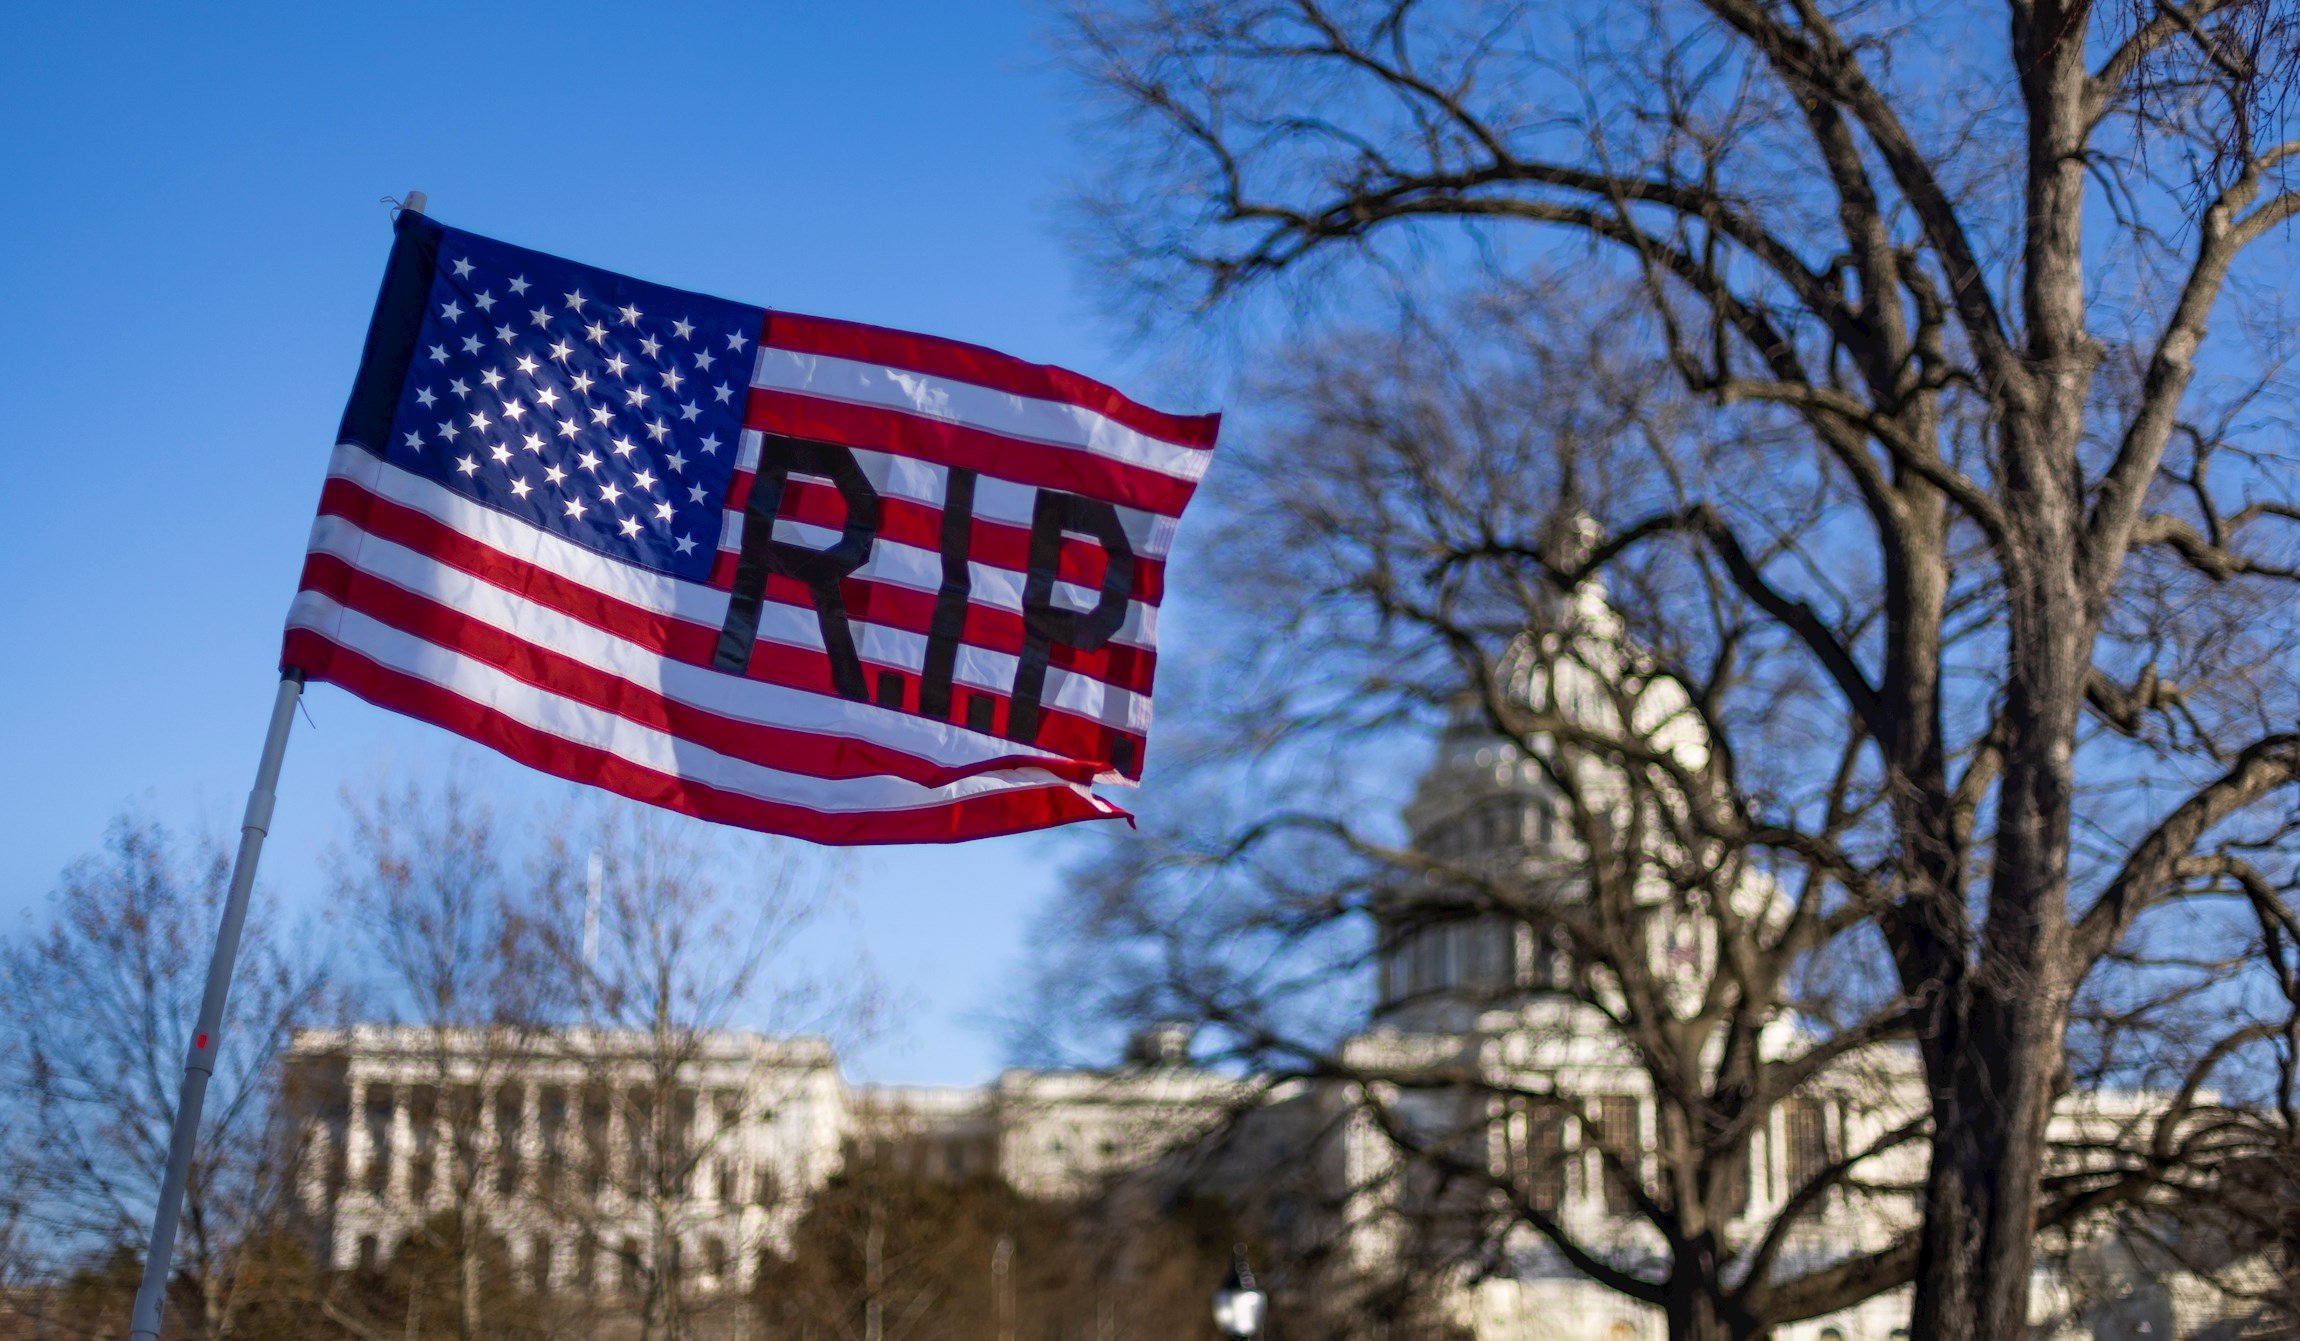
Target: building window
[(539, 1264), (1537, 1155), (715, 1261), (423, 1151), (378, 1118), (627, 1266), (1619, 1130), (510, 1108), (586, 1262), (1805, 1142), (724, 1183), (368, 1257), (551, 1127), (769, 1190)]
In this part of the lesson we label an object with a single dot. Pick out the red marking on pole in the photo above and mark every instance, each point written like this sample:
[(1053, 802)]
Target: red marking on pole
[(200, 1044)]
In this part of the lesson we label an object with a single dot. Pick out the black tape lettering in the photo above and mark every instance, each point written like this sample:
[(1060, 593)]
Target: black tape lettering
[(1044, 623), (949, 626), (821, 569)]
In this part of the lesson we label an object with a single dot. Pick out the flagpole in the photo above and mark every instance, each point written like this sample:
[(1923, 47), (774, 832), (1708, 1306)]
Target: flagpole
[(208, 1030)]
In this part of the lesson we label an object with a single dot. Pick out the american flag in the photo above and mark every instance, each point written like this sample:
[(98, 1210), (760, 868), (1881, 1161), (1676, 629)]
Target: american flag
[(796, 574)]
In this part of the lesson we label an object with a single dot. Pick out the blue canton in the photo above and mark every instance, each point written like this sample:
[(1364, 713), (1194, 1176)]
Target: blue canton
[(598, 407)]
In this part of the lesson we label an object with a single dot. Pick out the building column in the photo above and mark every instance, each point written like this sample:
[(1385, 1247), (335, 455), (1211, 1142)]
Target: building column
[(356, 1153), (402, 1176)]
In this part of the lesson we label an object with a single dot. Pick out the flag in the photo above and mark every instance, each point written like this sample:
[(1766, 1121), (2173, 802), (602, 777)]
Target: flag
[(796, 574)]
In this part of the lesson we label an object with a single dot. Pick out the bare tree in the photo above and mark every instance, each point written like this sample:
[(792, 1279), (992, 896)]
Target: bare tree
[(1977, 509), (98, 997), (670, 942), (421, 875)]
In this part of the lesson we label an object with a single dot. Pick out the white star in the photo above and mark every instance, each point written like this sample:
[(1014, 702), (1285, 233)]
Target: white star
[(575, 300), (676, 462), (554, 474), (467, 465), (704, 360), (450, 310), (631, 316), (463, 269), (645, 479), (589, 461), (479, 421), (630, 526), (424, 398), (470, 344), (671, 379), (446, 428), (695, 492), (541, 316), (686, 546), (518, 285), (560, 349), (617, 364), (682, 329), (547, 398), (513, 410), (460, 388), (567, 428), (736, 342), (721, 392), (658, 430), (662, 512), (414, 441), (653, 346), (611, 492), (602, 416), (596, 333), (485, 302), (527, 364), (690, 411), (506, 334), (582, 384), (532, 442), (635, 396), (575, 508), (493, 379), (521, 487), (710, 444), (623, 446), (501, 453), (439, 353)]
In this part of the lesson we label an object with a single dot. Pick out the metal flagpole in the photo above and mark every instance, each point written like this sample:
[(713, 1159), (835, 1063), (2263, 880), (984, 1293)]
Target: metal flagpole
[(207, 1031)]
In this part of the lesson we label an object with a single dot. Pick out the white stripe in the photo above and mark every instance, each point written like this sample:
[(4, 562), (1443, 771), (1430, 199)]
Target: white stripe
[(940, 744), (790, 626), (1053, 422), (642, 587), (920, 569), (996, 500), (663, 753)]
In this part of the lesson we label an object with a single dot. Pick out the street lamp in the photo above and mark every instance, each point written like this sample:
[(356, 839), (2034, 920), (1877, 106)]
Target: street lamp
[(1238, 1305)]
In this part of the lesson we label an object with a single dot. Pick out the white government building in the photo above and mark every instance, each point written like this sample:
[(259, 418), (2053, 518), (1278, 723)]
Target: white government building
[(769, 1119)]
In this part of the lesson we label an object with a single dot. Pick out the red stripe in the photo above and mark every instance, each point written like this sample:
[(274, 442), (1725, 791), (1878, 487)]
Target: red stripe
[(992, 543), (988, 627), (1060, 731), (984, 816), (784, 748), (434, 539), (963, 362), (1071, 469)]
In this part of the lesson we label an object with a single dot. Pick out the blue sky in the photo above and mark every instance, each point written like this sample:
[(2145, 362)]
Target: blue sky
[(193, 239)]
